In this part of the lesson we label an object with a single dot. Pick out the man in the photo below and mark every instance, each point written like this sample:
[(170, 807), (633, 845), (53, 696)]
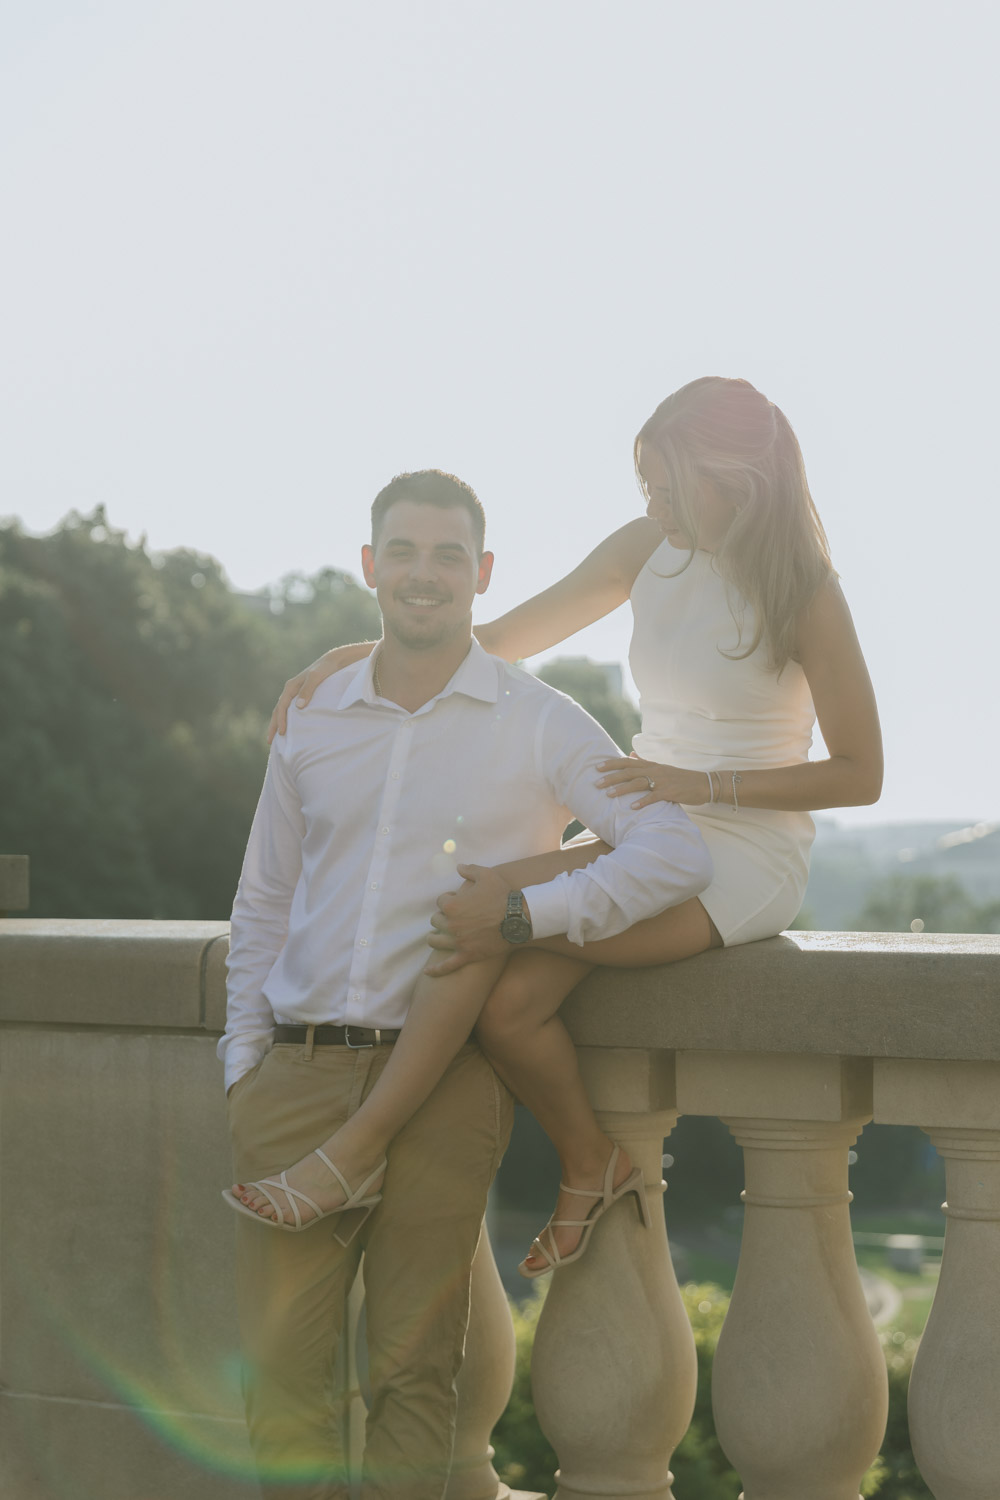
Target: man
[(428, 754)]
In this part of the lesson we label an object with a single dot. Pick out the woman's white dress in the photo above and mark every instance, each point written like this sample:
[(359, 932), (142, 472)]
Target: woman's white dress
[(705, 711)]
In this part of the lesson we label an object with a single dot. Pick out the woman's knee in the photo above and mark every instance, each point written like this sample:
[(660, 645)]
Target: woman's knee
[(511, 1009)]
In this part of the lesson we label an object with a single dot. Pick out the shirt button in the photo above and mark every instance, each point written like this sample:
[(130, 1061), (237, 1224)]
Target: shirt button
[(374, 885), (385, 830), (395, 775), (363, 943), (356, 997)]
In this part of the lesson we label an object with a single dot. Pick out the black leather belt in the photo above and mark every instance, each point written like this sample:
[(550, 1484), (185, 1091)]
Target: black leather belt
[(336, 1036)]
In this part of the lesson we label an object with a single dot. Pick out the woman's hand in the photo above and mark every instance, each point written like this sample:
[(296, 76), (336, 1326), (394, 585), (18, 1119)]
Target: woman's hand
[(305, 683), (655, 782)]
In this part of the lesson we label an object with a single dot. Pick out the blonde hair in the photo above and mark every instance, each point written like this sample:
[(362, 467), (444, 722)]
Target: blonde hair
[(774, 554)]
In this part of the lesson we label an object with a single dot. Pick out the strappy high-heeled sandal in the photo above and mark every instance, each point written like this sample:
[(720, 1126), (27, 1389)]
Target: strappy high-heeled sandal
[(609, 1196), (355, 1199)]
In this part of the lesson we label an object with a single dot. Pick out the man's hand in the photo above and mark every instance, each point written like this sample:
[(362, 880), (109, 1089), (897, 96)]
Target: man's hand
[(467, 922)]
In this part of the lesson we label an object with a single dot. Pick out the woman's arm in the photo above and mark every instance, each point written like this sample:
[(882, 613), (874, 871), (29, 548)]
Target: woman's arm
[(838, 679), (597, 586), (601, 582), (304, 684)]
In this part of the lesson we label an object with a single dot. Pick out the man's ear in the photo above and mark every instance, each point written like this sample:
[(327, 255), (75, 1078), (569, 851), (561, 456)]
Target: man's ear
[(485, 572), (368, 565)]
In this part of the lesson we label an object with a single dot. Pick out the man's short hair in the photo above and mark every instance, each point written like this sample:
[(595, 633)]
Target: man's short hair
[(430, 487)]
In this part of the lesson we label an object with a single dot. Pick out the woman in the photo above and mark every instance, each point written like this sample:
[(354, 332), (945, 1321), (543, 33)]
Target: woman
[(742, 637)]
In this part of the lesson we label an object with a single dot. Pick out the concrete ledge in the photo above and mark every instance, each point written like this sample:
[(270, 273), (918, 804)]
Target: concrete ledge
[(926, 995), (110, 973), (843, 994)]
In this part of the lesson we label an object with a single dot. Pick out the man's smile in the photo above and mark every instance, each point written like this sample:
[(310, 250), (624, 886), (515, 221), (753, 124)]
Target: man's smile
[(420, 601)]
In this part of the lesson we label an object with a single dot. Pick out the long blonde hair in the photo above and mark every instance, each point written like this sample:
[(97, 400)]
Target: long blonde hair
[(774, 554)]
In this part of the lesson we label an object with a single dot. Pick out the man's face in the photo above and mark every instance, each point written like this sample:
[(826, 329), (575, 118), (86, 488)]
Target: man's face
[(426, 572)]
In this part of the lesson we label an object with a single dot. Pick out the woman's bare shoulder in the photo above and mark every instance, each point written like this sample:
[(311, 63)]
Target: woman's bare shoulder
[(629, 548)]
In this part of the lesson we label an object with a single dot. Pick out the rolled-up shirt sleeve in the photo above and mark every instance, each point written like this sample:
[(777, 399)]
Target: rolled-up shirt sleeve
[(271, 870), (658, 857)]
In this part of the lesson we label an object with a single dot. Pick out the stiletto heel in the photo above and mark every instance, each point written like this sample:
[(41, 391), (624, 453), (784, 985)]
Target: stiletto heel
[(609, 1196), (641, 1201), (355, 1199)]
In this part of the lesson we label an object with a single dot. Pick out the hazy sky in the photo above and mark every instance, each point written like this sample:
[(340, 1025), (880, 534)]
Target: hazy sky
[(257, 258)]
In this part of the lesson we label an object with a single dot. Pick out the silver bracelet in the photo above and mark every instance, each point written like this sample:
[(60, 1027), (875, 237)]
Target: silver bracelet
[(711, 788), (737, 780)]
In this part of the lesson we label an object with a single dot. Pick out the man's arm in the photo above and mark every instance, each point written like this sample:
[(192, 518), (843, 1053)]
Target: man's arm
[(271, 868), (655, 861)]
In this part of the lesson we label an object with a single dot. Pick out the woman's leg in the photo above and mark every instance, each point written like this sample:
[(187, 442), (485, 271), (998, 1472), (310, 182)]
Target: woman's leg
[(521, 1033), (442, 1014)]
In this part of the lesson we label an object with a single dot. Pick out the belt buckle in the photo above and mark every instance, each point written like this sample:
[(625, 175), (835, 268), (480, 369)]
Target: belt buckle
[(356, 1046)]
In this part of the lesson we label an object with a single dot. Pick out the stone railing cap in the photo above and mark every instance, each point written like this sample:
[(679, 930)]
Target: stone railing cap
[(843, 994), (861, 994), (110, 973)]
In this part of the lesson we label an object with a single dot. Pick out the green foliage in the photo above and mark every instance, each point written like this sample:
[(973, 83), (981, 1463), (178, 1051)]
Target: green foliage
[(701, 1470), (524, 1457), (589, 684), (940, 902), (137, 691)]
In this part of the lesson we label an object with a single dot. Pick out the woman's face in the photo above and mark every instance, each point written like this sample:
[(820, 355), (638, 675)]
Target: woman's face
[(713, 515)]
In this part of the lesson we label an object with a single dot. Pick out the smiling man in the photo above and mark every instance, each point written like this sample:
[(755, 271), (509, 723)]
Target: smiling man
[(427, 754)]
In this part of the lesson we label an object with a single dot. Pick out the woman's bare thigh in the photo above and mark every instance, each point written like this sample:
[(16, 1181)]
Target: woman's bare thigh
[(676, 933)]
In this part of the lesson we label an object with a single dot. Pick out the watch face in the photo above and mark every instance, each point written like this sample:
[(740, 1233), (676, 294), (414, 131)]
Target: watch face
[(515, 929)]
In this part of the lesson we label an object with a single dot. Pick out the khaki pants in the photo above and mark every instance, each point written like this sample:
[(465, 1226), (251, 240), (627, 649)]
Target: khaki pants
[(418, 1247)]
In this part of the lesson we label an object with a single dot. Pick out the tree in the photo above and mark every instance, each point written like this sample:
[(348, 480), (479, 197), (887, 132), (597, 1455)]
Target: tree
[(939, 903), (138, 692), (589, 684)]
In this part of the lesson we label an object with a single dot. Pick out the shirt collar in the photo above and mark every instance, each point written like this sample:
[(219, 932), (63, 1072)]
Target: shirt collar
[(477, 677)]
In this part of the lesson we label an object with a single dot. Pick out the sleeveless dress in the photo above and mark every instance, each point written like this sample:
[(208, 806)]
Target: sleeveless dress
[(704, 711)]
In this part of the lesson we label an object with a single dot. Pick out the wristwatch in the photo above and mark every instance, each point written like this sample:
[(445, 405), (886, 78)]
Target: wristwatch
[(516, 925)]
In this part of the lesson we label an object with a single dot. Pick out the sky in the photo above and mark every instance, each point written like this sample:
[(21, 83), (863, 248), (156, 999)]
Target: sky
[(257, 259)]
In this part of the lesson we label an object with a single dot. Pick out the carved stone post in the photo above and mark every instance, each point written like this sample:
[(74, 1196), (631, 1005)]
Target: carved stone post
[(956, 1372), (799, 1381), (484, 1383), (613, 1369)]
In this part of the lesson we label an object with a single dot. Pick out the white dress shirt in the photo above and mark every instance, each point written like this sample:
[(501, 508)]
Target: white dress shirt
[(367, 810)]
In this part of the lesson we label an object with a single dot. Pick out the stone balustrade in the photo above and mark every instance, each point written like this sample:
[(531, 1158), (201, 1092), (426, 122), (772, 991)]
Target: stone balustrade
[(119, 1369)]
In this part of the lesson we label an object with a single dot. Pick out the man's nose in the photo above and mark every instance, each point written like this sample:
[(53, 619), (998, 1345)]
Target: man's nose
[(423, 569)]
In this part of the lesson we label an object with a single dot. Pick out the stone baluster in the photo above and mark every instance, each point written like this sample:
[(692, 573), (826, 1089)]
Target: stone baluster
[(956, 1372), (799, 1380), (485, 1382), (613, 1368)]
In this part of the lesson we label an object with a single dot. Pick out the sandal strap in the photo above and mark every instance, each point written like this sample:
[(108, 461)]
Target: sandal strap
[(607, 1189), (353, 1197), (552, 1258), (291, 1193)]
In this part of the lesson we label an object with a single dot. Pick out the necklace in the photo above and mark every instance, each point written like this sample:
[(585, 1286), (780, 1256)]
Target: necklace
[(375, 682)]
